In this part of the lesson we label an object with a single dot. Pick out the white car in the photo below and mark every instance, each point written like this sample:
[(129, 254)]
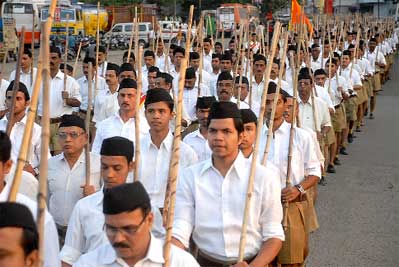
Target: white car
[(146, 33)]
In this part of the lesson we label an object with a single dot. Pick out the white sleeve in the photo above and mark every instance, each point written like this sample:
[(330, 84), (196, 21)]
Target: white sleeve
[(74, 239), (98, 140), (51, 245)]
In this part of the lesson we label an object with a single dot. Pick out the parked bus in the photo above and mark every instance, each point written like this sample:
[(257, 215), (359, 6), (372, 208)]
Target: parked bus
[(65, 14), (24, 12)]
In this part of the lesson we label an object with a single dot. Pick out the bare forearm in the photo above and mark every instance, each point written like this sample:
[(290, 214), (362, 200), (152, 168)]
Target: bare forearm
[(177, 243), (64, 264), (73, 102), (267, 252), (309, 181)]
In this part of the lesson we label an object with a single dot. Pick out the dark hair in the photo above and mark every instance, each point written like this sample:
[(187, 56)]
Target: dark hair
[(333, 61), (351, 46), (153, 69), (54, 49), (320, 72), (238, 124), (29, 241), (172, 47), (219, 44), (131, 55), (126, 67), (272, 89), (226, 56), (101, 49), (346, 53), (207, 40), (149, 53), (259, 57), (179, 49), (114, 67), (166, 76), (21, 88), (88, 60), (219, 56), (276, 61), (5, 147), (194, 55), (27, 52)]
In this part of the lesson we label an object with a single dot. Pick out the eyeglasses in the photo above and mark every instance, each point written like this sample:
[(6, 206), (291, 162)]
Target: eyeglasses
[(73, 135), (128, 230)]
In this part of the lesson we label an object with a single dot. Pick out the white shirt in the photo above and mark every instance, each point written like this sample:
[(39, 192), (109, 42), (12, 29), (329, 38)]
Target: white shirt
[(199, 144), (205, 79), (64, 184), (105, 256), (336, 96), (160, 61), (84, 90), (257, 90), (29, 185), (214, 79), (51, 246), (306, 116), (375, 57), (304, 159), (315, 64), (26, 78), (190, 100), (102, 69), (211, 207), (322, 93), (57, 107), (352, 78), (3, 88), (154, 165), (85, 228), (17, 132), (115, 126), (106, 104)]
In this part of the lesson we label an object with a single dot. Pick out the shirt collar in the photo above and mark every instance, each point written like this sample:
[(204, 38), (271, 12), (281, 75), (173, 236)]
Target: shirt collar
[(59, 75), (81, 158), (238, 165), (166, 143), (154, 253)]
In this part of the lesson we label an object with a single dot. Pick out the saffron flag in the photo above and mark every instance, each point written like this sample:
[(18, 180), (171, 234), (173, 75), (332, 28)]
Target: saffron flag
[(296, 16)]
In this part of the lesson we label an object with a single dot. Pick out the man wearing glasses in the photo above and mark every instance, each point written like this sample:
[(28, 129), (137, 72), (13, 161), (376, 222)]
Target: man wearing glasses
[(85, 227), (225, 89), (67, 172), (128, 223)]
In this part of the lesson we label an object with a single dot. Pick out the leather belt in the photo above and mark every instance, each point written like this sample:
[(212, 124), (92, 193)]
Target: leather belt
[(208, 261), (337, 106), (85, 111)]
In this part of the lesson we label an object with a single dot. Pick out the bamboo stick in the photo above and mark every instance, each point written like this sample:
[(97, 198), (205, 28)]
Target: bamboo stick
[(76, 60), (32, 47), (251, 74), (174, 170), (15, 88), (45, 136), (137, 154), (276, 96), (66, 57), (87, 121), (241, 58), (131, 40), (201, 53), (136, 38), (243, 237), (97, 51)]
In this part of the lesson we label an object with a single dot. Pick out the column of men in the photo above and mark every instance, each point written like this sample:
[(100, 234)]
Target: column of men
[(108, 220)]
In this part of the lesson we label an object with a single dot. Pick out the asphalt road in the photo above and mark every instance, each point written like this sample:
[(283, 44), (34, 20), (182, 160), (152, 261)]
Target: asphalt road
[(358, 210)]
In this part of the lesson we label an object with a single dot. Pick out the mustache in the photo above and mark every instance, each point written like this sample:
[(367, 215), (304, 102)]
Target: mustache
[(120, 245)]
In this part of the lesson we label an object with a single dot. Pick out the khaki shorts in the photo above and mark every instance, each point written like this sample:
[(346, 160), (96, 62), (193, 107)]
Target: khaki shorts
[(377, 82), (368, 89), (338, 119), (54, 143), (330, 137), (351, 108), (360, 96), (295, 246)]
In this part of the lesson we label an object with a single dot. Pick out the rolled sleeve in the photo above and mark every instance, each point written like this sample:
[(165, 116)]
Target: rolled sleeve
[(312, 164)]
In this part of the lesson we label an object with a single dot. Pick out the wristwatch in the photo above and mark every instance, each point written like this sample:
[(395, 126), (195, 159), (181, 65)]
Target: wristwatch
[(36, 170), (300, 189)]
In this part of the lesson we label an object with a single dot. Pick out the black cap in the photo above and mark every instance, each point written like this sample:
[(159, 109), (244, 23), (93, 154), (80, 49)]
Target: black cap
[(128, 83), (190, 73), (204, 102), (72, 120), (21, 88), (194, 55), (118, 146), (157, 95), (225, 76), (224, 110), (68, 67), (16, 215), (125, 197), (244, 80), (248, 116)]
